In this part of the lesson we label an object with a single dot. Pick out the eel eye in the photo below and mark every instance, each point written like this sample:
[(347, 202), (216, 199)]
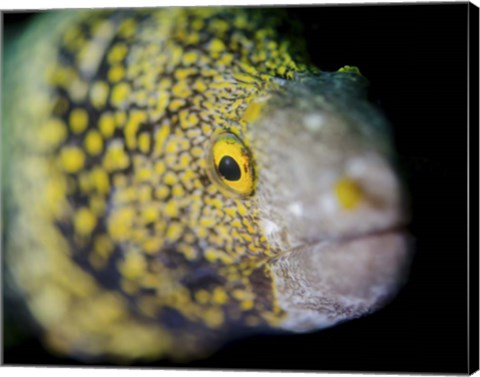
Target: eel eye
[(231, 165)]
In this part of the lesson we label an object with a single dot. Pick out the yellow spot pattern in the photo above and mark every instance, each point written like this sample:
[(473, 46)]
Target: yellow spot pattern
[(84, 222), (72, 159), (125, 155), (78, 120)]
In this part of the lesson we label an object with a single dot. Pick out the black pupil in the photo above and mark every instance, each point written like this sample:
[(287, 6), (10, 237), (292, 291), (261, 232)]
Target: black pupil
[(229, 169)]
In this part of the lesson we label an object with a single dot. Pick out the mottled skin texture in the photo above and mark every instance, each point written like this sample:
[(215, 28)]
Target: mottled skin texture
[(118, 238)]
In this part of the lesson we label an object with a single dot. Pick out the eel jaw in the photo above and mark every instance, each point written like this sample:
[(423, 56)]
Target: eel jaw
[(323, 283)]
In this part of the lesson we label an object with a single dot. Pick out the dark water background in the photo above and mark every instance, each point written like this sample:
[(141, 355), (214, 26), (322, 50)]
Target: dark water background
[(415, 57)]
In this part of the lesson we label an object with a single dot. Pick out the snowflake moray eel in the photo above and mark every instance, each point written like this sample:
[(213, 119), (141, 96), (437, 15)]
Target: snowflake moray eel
[(177, 177)]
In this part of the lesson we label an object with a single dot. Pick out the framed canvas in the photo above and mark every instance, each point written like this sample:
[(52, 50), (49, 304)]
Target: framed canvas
[(280, 188)]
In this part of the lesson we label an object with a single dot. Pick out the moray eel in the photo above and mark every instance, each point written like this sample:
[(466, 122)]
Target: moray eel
[(175, 178)]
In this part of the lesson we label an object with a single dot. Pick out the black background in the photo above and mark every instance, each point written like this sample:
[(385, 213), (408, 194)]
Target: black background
[(415, 57)]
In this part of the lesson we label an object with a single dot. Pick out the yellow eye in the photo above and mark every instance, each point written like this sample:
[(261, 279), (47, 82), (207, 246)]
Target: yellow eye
[(231, 165)]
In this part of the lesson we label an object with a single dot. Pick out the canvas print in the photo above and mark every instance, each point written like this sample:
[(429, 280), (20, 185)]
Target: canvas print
[(180, 182)]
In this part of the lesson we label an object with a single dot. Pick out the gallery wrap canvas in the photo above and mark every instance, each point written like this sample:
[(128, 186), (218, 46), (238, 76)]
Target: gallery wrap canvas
[(278, 188)]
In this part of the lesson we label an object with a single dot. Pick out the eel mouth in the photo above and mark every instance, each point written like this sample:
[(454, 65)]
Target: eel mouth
[(396, 229)]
